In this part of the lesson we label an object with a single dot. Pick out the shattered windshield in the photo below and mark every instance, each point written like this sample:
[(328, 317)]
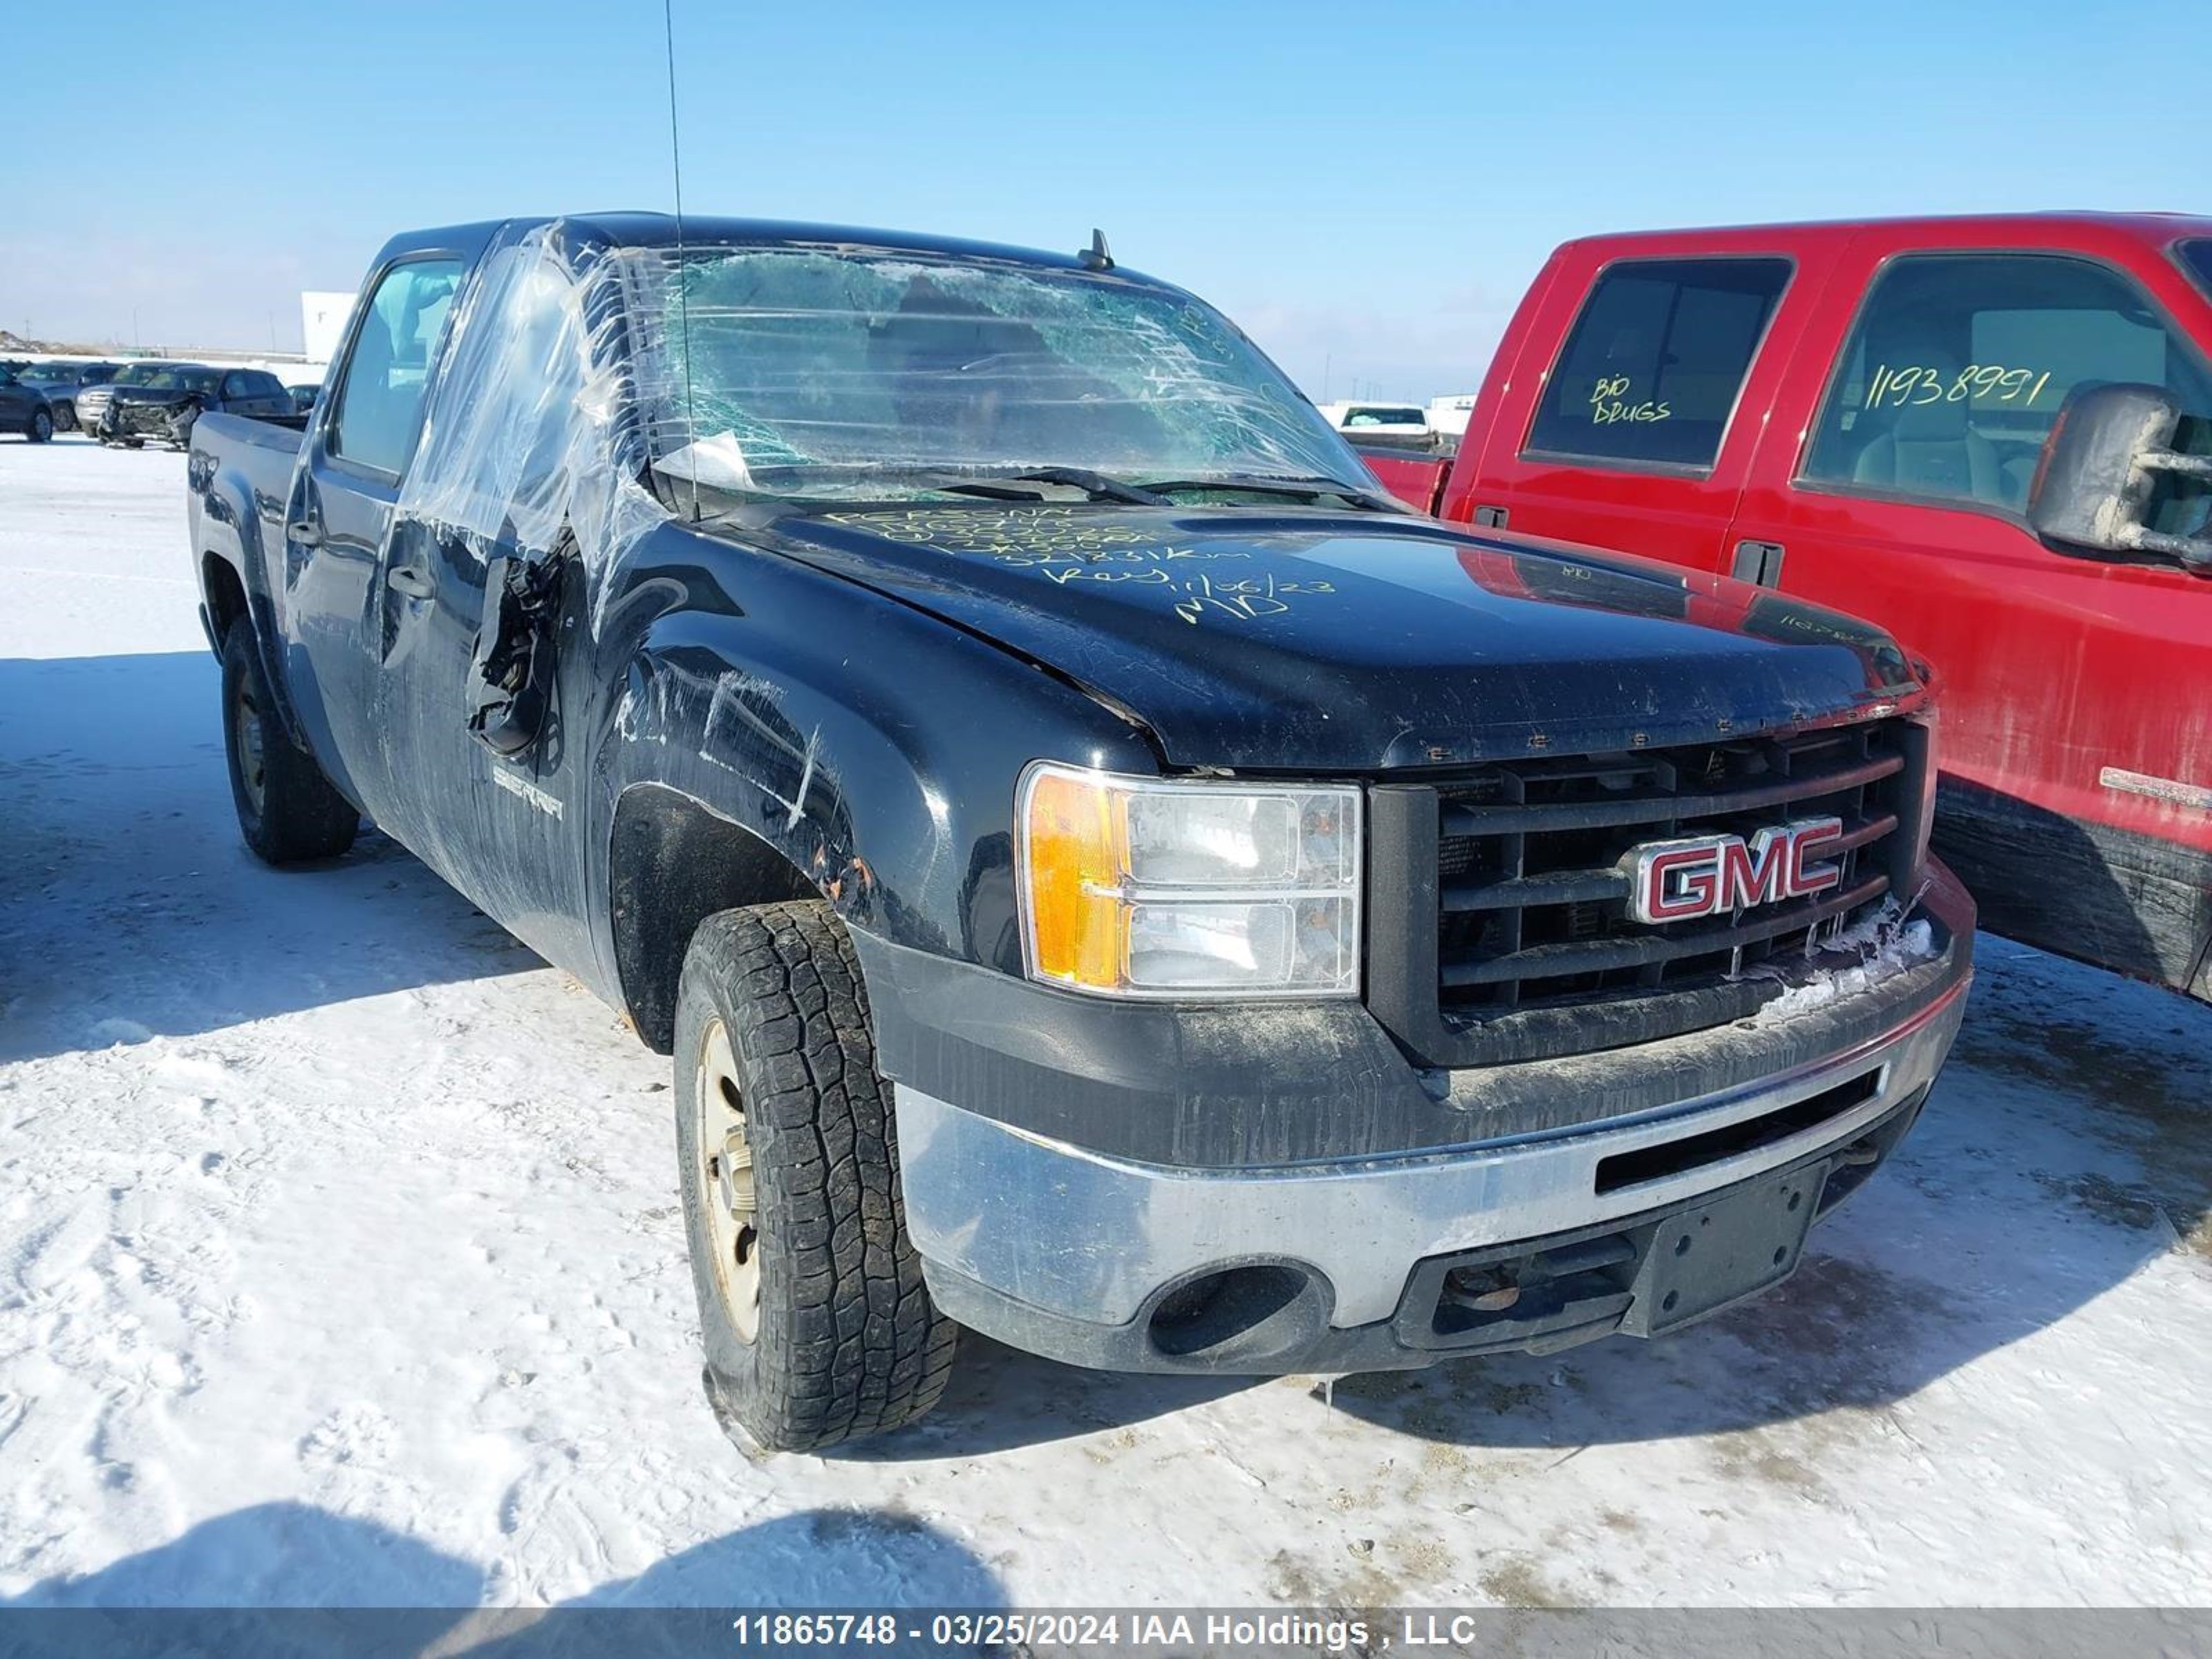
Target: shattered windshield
[(835, 375)]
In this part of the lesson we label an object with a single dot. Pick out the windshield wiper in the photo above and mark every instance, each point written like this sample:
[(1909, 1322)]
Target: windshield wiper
[(1310, 490), (1003, 486)]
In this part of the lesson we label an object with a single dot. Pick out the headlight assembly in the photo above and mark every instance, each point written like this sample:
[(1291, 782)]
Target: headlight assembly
[(1143, 887)]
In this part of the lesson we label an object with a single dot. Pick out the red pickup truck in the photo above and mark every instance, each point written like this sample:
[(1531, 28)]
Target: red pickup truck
[(1986, 435)]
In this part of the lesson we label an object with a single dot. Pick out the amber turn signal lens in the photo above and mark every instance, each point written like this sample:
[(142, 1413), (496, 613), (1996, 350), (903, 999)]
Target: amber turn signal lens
[(1079, 926)]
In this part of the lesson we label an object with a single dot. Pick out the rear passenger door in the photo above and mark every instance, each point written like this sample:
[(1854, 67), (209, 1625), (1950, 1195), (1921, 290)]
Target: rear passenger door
[(1895, 480), (1639, 435), (339, 520)]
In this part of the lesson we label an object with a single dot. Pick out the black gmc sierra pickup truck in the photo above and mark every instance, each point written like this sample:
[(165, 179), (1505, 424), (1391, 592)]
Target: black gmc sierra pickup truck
[(1107, 877)]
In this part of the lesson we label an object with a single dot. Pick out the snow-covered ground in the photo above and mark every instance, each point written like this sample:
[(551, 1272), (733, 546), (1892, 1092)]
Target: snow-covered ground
[(340, 1262)]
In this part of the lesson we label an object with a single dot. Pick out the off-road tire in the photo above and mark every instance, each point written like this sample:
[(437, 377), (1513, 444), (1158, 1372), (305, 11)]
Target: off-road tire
[(295, 814), (40, 426), (846, 1340)]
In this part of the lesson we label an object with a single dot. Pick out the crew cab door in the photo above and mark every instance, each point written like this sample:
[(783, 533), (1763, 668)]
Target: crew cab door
[(338, 522), (487, 681), (1637, 430), (1895, 475), (506, 828)]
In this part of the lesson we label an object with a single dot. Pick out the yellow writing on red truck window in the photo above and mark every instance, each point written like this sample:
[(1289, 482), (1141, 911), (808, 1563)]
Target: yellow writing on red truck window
[(1610, 401), (1980, 383)]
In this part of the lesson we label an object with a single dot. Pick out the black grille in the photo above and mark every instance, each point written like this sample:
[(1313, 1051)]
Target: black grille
[(1534, 954)]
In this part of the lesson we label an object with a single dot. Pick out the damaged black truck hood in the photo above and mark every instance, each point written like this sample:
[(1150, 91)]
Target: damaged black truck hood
[(1313, 640)]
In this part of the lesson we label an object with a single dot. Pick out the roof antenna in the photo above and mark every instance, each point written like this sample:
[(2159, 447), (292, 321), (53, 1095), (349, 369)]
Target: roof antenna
[(1096, 257), (683, 285)]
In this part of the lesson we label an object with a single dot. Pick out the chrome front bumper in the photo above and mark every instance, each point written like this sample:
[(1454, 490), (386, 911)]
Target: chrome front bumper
[(1075, 1254)]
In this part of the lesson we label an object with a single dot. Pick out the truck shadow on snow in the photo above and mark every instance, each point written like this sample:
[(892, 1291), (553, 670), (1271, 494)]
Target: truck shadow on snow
[(288, 1578), (131, 908)]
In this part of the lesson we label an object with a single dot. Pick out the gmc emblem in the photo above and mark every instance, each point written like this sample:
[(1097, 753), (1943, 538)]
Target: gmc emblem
[(1708, 875)]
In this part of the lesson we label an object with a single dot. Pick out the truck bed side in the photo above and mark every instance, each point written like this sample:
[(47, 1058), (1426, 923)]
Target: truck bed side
[(237, 481)]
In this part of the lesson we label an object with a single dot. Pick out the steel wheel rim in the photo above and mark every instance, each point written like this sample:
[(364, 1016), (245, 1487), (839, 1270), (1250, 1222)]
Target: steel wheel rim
[(43, 424), (253, 762), (728, 1194)]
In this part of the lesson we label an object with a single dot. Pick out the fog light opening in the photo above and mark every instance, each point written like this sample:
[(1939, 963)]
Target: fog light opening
[(1250, 1313)]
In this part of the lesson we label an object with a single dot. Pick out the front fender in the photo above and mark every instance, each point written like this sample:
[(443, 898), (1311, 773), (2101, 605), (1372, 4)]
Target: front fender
[(872, 747)]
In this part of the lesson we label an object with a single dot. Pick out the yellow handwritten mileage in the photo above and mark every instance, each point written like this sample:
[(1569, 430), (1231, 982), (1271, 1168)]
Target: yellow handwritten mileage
[(1911, 383)]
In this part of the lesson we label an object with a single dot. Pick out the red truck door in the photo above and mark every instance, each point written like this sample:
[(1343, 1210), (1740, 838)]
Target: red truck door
[(1640, 433), (1891, 481)]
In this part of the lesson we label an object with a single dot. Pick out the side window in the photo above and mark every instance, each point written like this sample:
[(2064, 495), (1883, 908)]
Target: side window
[(380, 400), (2197, 259), (262, 384), (1651, 370), (238, 385), (1958, 363)]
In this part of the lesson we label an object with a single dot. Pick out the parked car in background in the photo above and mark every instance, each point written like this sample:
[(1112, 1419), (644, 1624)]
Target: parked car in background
[(1350, 943), (61, 380), (91, 401), (163, 403), (1987, 434), (25, 408), (303, 398)]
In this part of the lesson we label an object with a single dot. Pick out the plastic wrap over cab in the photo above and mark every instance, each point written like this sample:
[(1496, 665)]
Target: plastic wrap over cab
[(529, 433)]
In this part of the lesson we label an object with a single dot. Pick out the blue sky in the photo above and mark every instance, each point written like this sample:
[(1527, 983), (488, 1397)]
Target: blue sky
[(1367, 189)]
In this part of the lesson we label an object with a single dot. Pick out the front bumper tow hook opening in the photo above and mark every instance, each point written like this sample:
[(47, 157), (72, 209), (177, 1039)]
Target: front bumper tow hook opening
[(1486, 1290)]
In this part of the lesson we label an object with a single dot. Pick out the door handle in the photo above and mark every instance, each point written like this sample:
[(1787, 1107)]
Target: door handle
[(1759, 563), (304, 532), (406, 579)]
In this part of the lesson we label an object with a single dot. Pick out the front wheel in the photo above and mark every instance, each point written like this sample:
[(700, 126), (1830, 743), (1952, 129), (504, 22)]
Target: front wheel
[(40, 426), (816, 1323), (287, 809)]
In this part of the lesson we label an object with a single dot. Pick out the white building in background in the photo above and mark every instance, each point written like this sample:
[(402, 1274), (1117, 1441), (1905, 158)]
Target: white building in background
[(322, 320), (1451, 413)]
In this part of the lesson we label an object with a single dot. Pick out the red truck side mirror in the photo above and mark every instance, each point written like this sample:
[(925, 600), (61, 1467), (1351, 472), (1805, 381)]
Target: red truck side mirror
[(2100, 467)]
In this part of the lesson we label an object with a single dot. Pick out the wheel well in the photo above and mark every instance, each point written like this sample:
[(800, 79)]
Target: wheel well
[(673, 863), (225, 595)]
